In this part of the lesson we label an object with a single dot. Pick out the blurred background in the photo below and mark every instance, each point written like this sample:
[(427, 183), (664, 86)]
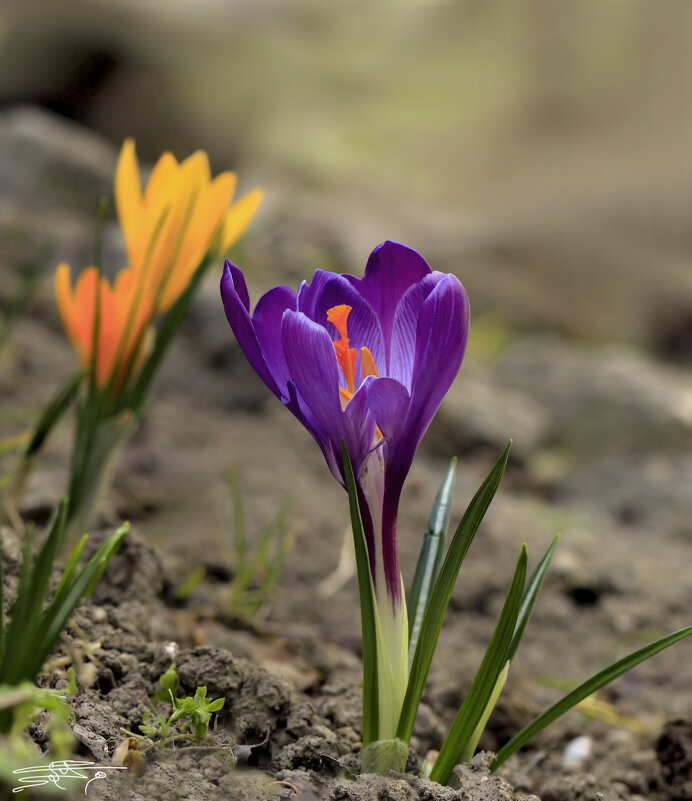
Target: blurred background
[(538, 148)]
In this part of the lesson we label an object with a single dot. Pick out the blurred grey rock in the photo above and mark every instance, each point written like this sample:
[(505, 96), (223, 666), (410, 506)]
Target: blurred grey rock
[(479, 413), (48, 162), (602, 401), (53, 174), (651, 493)]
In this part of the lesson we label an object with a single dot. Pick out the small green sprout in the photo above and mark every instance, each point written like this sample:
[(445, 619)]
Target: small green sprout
[(189, 584), (257, 571), (182, 718)]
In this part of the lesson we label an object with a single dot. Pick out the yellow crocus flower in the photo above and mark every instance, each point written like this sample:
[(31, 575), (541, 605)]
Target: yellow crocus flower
[(181, 215)]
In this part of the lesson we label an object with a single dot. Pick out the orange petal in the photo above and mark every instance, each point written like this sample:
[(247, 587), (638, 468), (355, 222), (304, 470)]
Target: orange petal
[(65, 300)]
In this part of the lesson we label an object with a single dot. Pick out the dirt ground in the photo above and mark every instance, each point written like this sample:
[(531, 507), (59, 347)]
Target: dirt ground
[(602, 437)]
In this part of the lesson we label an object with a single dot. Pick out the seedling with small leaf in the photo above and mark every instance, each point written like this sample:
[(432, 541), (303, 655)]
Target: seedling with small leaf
[(171, 719)]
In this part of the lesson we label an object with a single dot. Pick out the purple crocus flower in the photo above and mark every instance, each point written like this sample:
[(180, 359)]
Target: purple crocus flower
[(367, 359)]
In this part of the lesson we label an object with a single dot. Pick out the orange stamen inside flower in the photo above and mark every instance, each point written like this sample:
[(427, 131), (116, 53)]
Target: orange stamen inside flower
[(367, 363), (345, 355)]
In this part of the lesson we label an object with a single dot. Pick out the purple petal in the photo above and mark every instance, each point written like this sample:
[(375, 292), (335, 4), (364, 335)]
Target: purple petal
[(329, 289), (358, 428), (266, 321), (239, 283), (312, 364), (388, 402), (405, 327), (303, 413), (441, 338), (391, 269), (443, 328), (234, 296)]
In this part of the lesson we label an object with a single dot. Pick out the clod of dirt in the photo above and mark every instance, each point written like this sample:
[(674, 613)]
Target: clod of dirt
[(674, 750), (255, 700), (475, 784)]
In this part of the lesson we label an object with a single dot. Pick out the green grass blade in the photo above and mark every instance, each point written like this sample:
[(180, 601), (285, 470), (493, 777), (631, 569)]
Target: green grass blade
[(478, 697), (41, 574), (533, 588), (70, 568), (282, 541), (52, 414), (586, 689), (439, 600), (368, 610), (430, 559), (50, 550), (103, 556), (25, 629), (61, 608), (17, 634)]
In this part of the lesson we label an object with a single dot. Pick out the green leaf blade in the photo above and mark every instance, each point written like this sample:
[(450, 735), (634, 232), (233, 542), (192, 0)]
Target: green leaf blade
[(64, 603), (52, 413), (485, 680), (430, 559), (442, 592), (586, 689), (533, 588), (368, 610)]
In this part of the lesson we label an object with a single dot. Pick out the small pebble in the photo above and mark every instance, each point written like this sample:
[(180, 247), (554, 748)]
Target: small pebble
[(576, 753)]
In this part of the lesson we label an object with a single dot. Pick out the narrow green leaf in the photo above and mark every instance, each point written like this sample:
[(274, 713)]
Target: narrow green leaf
[(62, 607), (586, 689), (20, 641), (494, 661), (439, 600), (49, 551), (52, 414), (189, 583), (96, 329), (19, 613), (430, 559), (70, 568), (472, 742), (103, 556), (368, 611), (533, 588)]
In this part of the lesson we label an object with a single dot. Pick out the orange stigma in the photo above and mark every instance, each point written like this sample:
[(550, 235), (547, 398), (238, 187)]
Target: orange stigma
[(347, 356)]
